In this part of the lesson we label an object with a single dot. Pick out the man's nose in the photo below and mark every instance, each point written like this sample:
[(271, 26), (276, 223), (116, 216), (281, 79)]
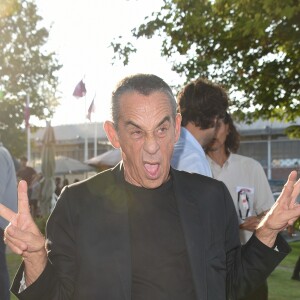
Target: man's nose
[(151, 145)]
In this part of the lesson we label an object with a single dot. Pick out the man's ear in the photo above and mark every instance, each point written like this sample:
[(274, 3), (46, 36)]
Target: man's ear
[(111, 133)]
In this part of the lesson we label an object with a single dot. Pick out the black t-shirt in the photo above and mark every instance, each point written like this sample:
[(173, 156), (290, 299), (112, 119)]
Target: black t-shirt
[(160, 265)]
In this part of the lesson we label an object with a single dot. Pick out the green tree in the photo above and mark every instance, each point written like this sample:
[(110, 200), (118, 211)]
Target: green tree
[(26, 68), (250, 47)]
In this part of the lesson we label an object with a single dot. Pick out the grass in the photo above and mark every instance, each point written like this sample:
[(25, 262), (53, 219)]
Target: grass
[(281, 287), (13, 262)]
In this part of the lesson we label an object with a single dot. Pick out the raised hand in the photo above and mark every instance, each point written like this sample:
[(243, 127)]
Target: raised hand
[(284, 212), (23, 236)]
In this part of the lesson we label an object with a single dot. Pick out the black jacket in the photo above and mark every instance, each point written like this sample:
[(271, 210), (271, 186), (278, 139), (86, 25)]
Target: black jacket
[(89, 243)]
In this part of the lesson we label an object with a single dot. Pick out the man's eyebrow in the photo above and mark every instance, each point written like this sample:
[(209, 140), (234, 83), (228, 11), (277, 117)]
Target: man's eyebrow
[(131, 123), (166, 118)]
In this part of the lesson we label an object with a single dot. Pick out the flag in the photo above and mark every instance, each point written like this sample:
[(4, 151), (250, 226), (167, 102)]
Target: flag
[(91, 110), (27, 113), (79, 90)]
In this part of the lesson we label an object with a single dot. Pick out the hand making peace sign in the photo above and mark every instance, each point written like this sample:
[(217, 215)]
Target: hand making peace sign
[(23, 236)]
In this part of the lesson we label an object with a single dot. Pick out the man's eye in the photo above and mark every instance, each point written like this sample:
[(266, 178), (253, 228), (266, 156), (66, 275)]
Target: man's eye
[(136, 133), (162, 130)]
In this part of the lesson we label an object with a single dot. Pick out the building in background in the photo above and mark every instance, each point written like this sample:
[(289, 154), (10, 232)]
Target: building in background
[(70, 141), (265, 141), (268, 143)]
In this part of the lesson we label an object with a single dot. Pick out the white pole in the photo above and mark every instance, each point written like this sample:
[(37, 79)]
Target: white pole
[(269, 157), (86, 133), (95, 139), (269, 132), (28, 131)]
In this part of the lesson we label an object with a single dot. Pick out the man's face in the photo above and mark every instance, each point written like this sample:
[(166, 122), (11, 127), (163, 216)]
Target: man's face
[(146, 135), (220, 138), (23, 163), (209, 134)]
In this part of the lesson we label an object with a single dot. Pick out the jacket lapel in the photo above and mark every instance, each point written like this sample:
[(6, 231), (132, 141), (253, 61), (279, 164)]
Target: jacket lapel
[(194, 227), (118, 227)]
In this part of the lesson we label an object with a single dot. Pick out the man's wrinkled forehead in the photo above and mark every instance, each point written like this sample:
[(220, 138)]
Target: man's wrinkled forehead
[(129, 123), (138, 109)]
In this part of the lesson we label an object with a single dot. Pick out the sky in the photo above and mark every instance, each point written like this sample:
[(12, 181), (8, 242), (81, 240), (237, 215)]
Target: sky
[(80, 34)]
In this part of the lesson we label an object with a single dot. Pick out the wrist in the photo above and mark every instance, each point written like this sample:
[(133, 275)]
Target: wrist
[(266, 236), (35, 264)]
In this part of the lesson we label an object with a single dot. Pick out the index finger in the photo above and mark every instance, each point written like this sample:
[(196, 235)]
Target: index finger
[(296, 192), (23, 204), (289, 187), (292, 178)]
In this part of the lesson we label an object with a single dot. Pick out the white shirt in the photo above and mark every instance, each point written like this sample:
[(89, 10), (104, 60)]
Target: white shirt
[(246, 181), (189, 156)]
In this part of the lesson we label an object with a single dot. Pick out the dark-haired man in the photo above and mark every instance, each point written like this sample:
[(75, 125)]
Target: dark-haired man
[(201, 104), (26, 173), (246, 181)]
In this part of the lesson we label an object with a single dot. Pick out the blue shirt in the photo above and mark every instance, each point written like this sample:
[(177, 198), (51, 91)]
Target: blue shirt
[(189, 155), (8, 183)]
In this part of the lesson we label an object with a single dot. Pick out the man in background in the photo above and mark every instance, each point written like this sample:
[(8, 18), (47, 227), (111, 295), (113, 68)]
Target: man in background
[(26, 173), (58, 186), (246, 182), (8, 197), (201, 104)]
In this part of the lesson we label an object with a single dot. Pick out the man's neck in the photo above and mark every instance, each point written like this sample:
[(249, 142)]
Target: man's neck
[(219, 156), (196, 132)]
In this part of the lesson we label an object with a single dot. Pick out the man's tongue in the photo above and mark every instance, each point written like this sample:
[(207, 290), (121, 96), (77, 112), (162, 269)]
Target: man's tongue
[(151, 169)]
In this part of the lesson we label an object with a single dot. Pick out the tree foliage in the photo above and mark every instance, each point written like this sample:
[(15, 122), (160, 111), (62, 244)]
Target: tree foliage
[(250, 47), (26, 68)]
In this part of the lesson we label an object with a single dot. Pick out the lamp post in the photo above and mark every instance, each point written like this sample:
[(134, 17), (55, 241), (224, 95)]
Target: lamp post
[(28, 128), (269, 140)]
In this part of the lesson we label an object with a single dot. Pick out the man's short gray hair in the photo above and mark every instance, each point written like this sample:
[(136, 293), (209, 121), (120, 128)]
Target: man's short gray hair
[(144, 84)]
